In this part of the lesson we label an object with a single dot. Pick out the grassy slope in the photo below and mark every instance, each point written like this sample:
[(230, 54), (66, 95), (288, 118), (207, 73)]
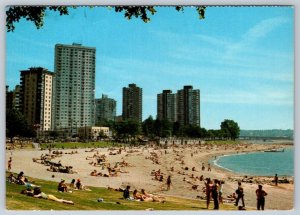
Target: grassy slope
[(87, 200)]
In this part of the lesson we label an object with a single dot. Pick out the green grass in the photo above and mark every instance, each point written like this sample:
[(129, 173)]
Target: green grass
[(74, 145), (87, 200), (19, 145)]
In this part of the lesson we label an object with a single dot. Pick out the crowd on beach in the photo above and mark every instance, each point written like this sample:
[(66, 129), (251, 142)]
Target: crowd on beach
[(198, 178)]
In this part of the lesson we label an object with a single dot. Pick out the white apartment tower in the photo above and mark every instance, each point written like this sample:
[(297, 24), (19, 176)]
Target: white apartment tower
[(74, 86)]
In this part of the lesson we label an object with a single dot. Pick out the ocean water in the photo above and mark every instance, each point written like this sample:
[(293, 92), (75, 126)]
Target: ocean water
[(259, 163)]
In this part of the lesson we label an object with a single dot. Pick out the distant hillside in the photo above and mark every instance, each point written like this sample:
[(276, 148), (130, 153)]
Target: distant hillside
[(274, 133)]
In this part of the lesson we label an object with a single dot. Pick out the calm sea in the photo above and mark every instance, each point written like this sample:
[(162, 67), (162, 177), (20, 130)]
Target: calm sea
[(259, 163)]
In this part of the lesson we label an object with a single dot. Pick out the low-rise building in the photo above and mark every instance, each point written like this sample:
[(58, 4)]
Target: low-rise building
[(93, 132)]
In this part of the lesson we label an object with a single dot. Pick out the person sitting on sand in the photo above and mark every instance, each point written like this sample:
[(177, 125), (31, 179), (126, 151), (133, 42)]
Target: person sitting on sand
[(62, 187), (37, 193), (231, 197), (203, 167), (94, 173)]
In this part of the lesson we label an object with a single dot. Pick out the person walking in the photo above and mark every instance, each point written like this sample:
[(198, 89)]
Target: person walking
[(260, 194), (169, 182), (9, 163), (240, 195)]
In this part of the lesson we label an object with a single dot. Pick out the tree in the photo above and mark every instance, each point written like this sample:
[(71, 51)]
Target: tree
[(16, 125), (36, 14), (126, 130), (230, 129), (148, 127)]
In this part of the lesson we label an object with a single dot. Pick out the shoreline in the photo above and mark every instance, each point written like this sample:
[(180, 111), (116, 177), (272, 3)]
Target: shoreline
[(280, 197), (214, 162)]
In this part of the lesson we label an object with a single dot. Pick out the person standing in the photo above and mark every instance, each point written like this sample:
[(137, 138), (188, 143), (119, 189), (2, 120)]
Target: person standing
[(9, 163), (208, 167), (169, 182), (208, 191), (260, 194), (276, 180), (215, 194), (240, 195)]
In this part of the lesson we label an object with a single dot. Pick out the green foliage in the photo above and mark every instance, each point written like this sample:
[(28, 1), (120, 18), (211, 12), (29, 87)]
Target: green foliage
[(230, 129), (126, 130), (36, 14), (16, 125)]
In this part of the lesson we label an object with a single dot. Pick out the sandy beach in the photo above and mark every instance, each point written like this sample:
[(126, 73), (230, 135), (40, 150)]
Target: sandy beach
[(144, 159)]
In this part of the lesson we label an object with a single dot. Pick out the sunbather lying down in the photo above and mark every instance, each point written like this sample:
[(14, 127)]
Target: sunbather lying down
[(37, 193)]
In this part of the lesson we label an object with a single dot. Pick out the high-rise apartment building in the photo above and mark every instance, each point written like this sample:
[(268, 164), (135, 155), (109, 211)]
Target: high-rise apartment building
[(105, 109), (132, 103), (188, 106), (36, 97), (166, 106), (13, 98), (74, 86)]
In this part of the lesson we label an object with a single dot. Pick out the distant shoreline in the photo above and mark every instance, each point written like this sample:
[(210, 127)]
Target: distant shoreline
[(214, 161)]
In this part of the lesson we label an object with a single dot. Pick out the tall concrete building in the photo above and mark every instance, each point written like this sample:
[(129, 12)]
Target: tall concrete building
[(36, 97), (166, 106), (188, 106), (13, 98), (105, 109), (74, 86), (132, 103)]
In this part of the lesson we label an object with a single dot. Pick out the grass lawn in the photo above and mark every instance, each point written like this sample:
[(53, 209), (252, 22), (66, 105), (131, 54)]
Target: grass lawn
[(74, 145), (87, 200)]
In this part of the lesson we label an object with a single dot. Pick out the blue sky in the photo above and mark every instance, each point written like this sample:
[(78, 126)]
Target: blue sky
[(241, 58)]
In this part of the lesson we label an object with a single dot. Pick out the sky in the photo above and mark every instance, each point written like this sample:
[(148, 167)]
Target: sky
[(241, 58)]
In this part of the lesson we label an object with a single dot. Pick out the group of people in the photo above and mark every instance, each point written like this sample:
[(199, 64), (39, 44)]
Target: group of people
[(214, 190), (32, 189), (74, 185), (142, 196)]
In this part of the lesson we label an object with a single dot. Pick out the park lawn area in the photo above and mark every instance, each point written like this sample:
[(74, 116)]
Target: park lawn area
[(77, 145), (87, 200), (18, 145)]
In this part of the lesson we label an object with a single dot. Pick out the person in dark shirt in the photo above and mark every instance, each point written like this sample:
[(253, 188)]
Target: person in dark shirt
[(62, 187), (126, 194), (260, 194), (169, 182)]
